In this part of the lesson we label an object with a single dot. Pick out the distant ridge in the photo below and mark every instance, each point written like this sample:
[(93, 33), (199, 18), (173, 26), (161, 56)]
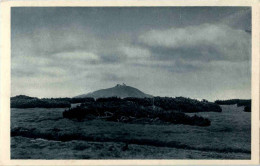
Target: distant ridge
[(121, 91), (22, 97)]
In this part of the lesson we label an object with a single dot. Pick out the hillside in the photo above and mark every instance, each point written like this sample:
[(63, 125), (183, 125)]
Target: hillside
[(121, 91)]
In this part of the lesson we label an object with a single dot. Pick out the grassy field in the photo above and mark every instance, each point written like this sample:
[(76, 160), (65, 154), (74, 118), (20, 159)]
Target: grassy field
[(44, 134)]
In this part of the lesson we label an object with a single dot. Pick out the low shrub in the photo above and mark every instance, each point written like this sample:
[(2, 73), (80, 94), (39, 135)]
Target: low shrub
[(238, 102), (233, 101), (125, 111), (179, 103)]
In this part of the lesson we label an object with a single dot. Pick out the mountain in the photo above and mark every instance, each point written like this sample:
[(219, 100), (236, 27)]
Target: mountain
[(121, 91)]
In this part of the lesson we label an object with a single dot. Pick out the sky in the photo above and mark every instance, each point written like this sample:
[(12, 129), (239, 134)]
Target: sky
[(196, 52)]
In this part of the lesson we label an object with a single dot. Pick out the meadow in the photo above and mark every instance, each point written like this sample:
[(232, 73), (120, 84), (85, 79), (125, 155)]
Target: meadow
[(43, 133)]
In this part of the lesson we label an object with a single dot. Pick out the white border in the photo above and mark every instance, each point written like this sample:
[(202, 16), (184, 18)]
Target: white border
[(5, 81)]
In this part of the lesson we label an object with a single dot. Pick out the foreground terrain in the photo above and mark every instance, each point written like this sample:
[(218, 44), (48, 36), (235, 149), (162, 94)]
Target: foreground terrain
[(40, 133)]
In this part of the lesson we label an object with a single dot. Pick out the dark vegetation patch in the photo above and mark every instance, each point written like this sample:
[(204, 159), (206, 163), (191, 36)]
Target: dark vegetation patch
[(33, 102), (129, 110), (19, 131), (178, 103), (167, 103), (132, 110), (23, 101), (247, 108), (238, 102)]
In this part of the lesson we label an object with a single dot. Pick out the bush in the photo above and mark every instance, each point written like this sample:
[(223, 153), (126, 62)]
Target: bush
[(109, 99), (128, 111), (234, 101), (82, 100), (179, 103), (240, 103)]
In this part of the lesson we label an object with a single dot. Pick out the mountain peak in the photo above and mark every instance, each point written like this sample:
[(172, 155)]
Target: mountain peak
[(121, 91), (119, 85)]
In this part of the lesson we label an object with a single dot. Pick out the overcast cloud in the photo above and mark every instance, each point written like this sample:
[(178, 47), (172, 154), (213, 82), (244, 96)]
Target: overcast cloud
[(192, 52)]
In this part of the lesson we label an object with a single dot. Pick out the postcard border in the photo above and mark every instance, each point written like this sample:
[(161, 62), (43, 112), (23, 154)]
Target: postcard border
[(6, 81)]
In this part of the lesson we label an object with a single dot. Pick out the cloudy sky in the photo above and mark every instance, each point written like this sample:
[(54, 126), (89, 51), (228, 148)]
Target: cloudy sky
[(197, 52)]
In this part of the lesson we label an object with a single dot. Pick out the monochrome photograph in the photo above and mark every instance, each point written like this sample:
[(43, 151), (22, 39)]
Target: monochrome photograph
[(92, 83)]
